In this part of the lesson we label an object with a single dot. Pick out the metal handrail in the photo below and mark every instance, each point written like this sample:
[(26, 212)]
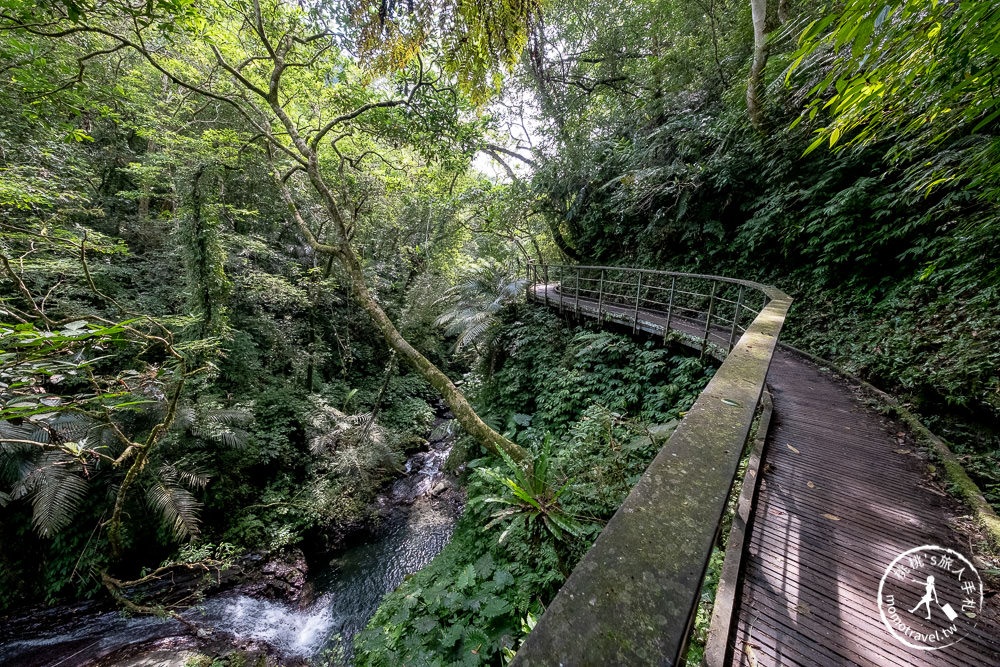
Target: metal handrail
[(633, 596), (572, 290)]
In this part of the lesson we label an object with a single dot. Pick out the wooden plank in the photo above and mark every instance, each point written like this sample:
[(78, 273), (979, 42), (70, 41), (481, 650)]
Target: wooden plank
[(721, 626), (833, 567)]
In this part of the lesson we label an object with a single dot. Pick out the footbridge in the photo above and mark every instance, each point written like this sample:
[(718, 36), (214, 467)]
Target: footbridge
[(831, 496)]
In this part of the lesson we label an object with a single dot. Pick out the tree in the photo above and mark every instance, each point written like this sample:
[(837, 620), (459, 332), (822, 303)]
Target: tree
[(305, 104), (758, 10), (915, 74)]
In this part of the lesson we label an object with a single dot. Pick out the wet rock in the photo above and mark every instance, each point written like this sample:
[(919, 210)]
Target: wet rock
[(281, 578)]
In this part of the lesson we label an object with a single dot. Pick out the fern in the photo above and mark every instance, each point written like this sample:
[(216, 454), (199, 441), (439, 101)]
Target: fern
[(55, 490), (177, 507), (476, 302), (222, 425)]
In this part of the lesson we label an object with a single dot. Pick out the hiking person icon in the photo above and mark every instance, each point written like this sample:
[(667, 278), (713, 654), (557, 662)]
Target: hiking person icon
[(929, 592)]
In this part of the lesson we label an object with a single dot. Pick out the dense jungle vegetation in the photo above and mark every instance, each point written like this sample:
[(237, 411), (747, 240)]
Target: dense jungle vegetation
[(246, 245)]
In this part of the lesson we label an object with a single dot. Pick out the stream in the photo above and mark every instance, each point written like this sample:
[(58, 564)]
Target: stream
[(419, 511)]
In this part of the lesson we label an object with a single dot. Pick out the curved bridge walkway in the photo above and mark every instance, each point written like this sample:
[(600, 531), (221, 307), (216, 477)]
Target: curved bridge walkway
[(842, 493)]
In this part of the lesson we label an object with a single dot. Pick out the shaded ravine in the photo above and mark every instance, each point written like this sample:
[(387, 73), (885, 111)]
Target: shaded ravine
[(419, 512)]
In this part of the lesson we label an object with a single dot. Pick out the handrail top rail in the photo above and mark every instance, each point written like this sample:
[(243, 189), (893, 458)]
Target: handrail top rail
[(648, 563), (768, 290)]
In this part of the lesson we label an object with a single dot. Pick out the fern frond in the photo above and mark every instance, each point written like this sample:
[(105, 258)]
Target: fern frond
[(184, 419), (56, 492), (176, 506), (193, 477), (230, 417), (70, 426), (234, 438)]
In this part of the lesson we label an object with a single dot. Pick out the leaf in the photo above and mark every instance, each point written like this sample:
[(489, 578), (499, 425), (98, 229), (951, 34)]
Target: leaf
[(810, 485), (176, 506), (451, 634), (495, 607), (815, 144), (793, 449), (425, 624), (56, 492), (502, 579), (467, 577), (832, 517), (863, 37)]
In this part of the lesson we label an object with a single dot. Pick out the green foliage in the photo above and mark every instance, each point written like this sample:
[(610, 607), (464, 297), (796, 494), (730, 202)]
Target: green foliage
[(553, 373), (912, 73), (479, 42), (887, 244), (475, 302), (530, 499), (477, 600)]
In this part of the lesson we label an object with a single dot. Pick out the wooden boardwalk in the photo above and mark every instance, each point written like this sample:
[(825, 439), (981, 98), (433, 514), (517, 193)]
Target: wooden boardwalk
[(842, 494)]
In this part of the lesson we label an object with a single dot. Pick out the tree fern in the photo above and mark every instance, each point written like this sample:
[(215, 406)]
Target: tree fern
[(476, 300)]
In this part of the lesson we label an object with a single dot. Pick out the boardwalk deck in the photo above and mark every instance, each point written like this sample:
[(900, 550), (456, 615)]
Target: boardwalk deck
[(810, 581), (841, 496)]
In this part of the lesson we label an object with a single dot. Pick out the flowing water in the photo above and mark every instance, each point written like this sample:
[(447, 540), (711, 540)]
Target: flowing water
[(348, 590)]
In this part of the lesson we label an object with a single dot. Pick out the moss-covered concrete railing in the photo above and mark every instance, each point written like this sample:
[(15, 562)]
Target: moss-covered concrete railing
[(632, 598)]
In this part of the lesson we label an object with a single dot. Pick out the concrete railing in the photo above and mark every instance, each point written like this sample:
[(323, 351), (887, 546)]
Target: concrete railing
[(632, 598)]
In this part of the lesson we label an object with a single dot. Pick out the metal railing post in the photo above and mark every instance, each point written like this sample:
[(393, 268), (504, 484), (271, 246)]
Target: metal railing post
[(708, 318), (635, 315), (545, 275), (562, 294), (600, 297), (576, 306), (736, 318), (670, 307)]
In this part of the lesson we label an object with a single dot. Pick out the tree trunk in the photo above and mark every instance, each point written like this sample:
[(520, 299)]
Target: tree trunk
[(758, 9), (463, 412), (349, 260)]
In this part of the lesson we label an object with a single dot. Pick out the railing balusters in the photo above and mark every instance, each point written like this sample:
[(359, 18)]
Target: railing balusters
[(736, 318), (708, 318), (684, 301), (545, 274), (576, 306), (670, 307), (600, 297), (562, 293), (635, 314)]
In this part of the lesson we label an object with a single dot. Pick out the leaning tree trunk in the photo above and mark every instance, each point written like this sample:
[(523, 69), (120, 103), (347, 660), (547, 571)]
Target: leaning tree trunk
[(463, 412), (758, 10), (351, 263)]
